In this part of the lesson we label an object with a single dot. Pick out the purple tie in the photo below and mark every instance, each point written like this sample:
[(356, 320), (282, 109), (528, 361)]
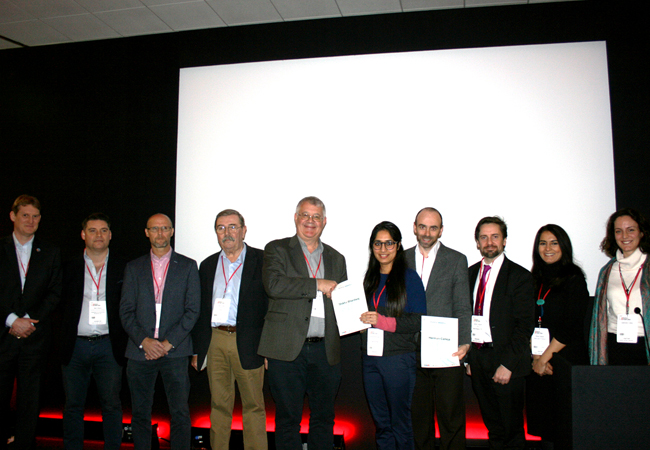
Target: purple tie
[(480, 293)]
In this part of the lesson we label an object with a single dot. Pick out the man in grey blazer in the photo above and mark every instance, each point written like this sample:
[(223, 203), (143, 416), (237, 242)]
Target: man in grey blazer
[(300, 337), (439, 391), (160, 304)]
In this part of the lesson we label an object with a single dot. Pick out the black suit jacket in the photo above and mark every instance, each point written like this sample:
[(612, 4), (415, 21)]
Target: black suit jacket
[(72, 300), (512, 316), (251, 309), (40, 296)]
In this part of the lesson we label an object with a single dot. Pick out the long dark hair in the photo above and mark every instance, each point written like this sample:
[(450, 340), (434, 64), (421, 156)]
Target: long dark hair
[(609, 245), (396, 281), (567, 267)]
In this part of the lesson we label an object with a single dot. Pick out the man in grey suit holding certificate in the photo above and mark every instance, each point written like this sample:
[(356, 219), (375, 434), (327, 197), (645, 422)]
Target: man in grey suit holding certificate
[(161, 299), (300, 337), (439, 391)]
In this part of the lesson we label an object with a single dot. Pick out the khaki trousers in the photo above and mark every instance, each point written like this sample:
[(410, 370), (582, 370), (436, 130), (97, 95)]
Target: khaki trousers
[(224, 368)]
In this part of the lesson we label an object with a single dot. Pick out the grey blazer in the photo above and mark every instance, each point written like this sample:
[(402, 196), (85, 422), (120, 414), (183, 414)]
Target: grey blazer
[(448, 289), (291, 290), (180, 305)]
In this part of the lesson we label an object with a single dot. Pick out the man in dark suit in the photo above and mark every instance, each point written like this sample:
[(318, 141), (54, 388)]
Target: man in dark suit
[(502, 325), (439, 391), (227, 334), (30, 288), (93, 340), (160, 305), (300, 336)]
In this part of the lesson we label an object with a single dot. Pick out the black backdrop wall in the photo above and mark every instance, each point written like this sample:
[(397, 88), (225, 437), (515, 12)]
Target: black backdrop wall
[(92, 126)]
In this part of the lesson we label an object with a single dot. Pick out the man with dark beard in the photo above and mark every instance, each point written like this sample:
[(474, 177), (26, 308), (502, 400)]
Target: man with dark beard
[(502, 324)]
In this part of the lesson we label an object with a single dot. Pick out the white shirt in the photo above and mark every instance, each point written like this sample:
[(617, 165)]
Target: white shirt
[(24, 254), (424, 265), (495, 267), (92, 294)]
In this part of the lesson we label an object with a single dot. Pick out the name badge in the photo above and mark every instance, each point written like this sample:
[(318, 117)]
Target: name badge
[(158, 312), (540, 341), (97, 313), (375, 342), (318, 306), (481, 330), (220, 310), (627, 329)]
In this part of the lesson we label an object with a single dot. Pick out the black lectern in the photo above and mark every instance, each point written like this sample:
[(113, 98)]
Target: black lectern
[(611, 407)]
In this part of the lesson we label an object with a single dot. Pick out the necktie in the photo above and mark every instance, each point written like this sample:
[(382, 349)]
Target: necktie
[(480, 293)]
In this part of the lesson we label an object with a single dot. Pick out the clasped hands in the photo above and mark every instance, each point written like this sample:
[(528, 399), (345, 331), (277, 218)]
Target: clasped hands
[(541, 368), (22, 327), (155, 349)]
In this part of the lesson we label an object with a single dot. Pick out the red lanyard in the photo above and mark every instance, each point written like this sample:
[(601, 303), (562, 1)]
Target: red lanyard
[(540, 302), (153, 275), (628, 291), (96, 283), (320, 258), (223, 268), (25, 269), (376, 301)]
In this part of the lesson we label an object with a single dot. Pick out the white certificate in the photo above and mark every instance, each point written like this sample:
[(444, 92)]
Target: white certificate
[(349, 301), (439, 340)]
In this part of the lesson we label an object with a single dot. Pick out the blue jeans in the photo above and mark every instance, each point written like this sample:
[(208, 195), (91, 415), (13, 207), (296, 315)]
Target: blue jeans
[(92, 359), (310, 374), (142, 382), (389, 383)]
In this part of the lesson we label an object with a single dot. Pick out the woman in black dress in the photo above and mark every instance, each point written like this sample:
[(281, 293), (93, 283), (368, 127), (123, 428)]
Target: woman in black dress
[(562, 304)]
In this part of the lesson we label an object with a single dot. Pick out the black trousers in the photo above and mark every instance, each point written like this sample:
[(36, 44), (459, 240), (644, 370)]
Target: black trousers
[(502, 406), (439, 392), (309, 374), (21, 361)]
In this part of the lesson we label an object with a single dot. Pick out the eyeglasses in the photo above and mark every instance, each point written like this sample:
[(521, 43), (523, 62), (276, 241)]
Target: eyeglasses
[(157, 229), (221, 229), (315, 217), (388, 244)]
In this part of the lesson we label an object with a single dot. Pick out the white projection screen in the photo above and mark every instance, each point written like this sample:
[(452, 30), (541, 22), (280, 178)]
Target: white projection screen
[(523, 132)]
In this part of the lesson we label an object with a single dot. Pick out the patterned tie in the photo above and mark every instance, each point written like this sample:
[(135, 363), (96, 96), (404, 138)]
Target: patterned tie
[(480, 293)]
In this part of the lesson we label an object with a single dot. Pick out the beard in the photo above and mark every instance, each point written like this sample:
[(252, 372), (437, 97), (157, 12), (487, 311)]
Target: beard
[(160, 244), (491, 252)]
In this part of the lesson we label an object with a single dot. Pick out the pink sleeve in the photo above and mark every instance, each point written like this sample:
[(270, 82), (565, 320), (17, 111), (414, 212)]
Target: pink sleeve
[(386, 323)]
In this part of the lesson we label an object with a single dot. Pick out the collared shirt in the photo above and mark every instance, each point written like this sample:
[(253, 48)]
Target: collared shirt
[(424, 265), (159, 268), (316, 268), (23, 254), (495, 267), (228, 286), (93, 277)]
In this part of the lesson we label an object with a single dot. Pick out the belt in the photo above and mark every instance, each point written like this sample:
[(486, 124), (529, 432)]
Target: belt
[(228, 328), (484, 345), (94, 337), (313, 340)]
